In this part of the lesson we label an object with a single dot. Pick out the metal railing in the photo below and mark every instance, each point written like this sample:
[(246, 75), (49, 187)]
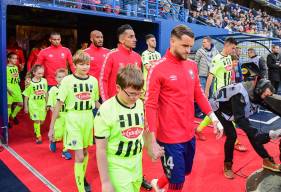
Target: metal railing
[(149, 9)]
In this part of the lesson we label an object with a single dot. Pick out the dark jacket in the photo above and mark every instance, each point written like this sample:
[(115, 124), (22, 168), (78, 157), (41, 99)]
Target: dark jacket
[(274, 69)]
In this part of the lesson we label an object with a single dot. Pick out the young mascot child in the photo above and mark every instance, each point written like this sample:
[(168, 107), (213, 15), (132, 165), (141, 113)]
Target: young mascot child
[(35, 99), (13, 88), (79, 93), (119, 128), (59, 127)]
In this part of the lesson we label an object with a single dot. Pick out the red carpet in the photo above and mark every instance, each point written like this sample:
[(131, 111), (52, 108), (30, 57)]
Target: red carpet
[(206, 175)]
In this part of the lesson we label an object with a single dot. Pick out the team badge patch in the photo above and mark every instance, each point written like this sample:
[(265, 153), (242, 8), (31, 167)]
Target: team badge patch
[(191, 74), (74, 142)]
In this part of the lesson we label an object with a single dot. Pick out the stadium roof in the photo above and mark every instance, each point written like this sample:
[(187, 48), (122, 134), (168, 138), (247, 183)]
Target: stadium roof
[(240, 37)]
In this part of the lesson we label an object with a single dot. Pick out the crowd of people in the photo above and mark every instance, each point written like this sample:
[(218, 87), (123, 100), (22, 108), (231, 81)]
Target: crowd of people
[(235, 18), (103, 90), (218, 13)]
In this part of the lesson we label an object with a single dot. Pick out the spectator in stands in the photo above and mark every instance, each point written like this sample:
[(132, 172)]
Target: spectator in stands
[(42, 44), (177, 4), (54, 57), (229, 26), (110, 5), (131, 7), (97, 53), (258, 60), (12, 46), (274, 67), (225, 22)]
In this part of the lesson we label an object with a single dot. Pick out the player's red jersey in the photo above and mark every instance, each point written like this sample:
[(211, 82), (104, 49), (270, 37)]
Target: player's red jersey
[(114, 60), (53, 58), (19, 52), (32, 57), (97, 55), (173, 86)]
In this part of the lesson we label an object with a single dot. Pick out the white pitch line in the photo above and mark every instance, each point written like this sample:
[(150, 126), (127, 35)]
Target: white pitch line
[(32, 169)]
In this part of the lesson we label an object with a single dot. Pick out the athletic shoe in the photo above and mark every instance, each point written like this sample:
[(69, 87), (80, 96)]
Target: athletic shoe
[(145, 184), (16, 121), (87, 186), (53, 146), (227, 170), (268, 163), (200, 135), (39, 140), (66, 155), (155, 186)]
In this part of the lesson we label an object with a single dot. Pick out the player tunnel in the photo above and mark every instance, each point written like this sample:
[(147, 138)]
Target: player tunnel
[(31, 24)]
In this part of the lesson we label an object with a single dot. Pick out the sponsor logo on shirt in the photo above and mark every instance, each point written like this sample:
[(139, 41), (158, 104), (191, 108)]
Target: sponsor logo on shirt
[(15, 74), (132, 132), (51, 55), (62, 55), (40, 92), (83, 96), (173, 77)]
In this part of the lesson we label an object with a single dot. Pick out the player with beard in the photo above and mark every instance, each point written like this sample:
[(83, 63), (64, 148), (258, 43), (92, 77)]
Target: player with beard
[(97, 53), (172, 88)]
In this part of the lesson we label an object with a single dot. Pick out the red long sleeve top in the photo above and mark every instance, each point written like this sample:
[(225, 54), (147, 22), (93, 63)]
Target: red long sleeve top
[(114, 60), (97, 55), (173, 86), (53, 58), (32, 58)]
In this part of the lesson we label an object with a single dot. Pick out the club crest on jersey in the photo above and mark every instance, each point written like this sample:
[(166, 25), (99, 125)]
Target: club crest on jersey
[(51, 55), (40, 92), (62, 55), (173, 77), (132, 132), (74, 142), (83, 96), (191, 74)]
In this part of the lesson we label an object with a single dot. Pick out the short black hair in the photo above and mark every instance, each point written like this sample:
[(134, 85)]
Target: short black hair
[(122, 29), (9, 55), (230, 40), (148, 36), (181, 30), (54, 33)]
